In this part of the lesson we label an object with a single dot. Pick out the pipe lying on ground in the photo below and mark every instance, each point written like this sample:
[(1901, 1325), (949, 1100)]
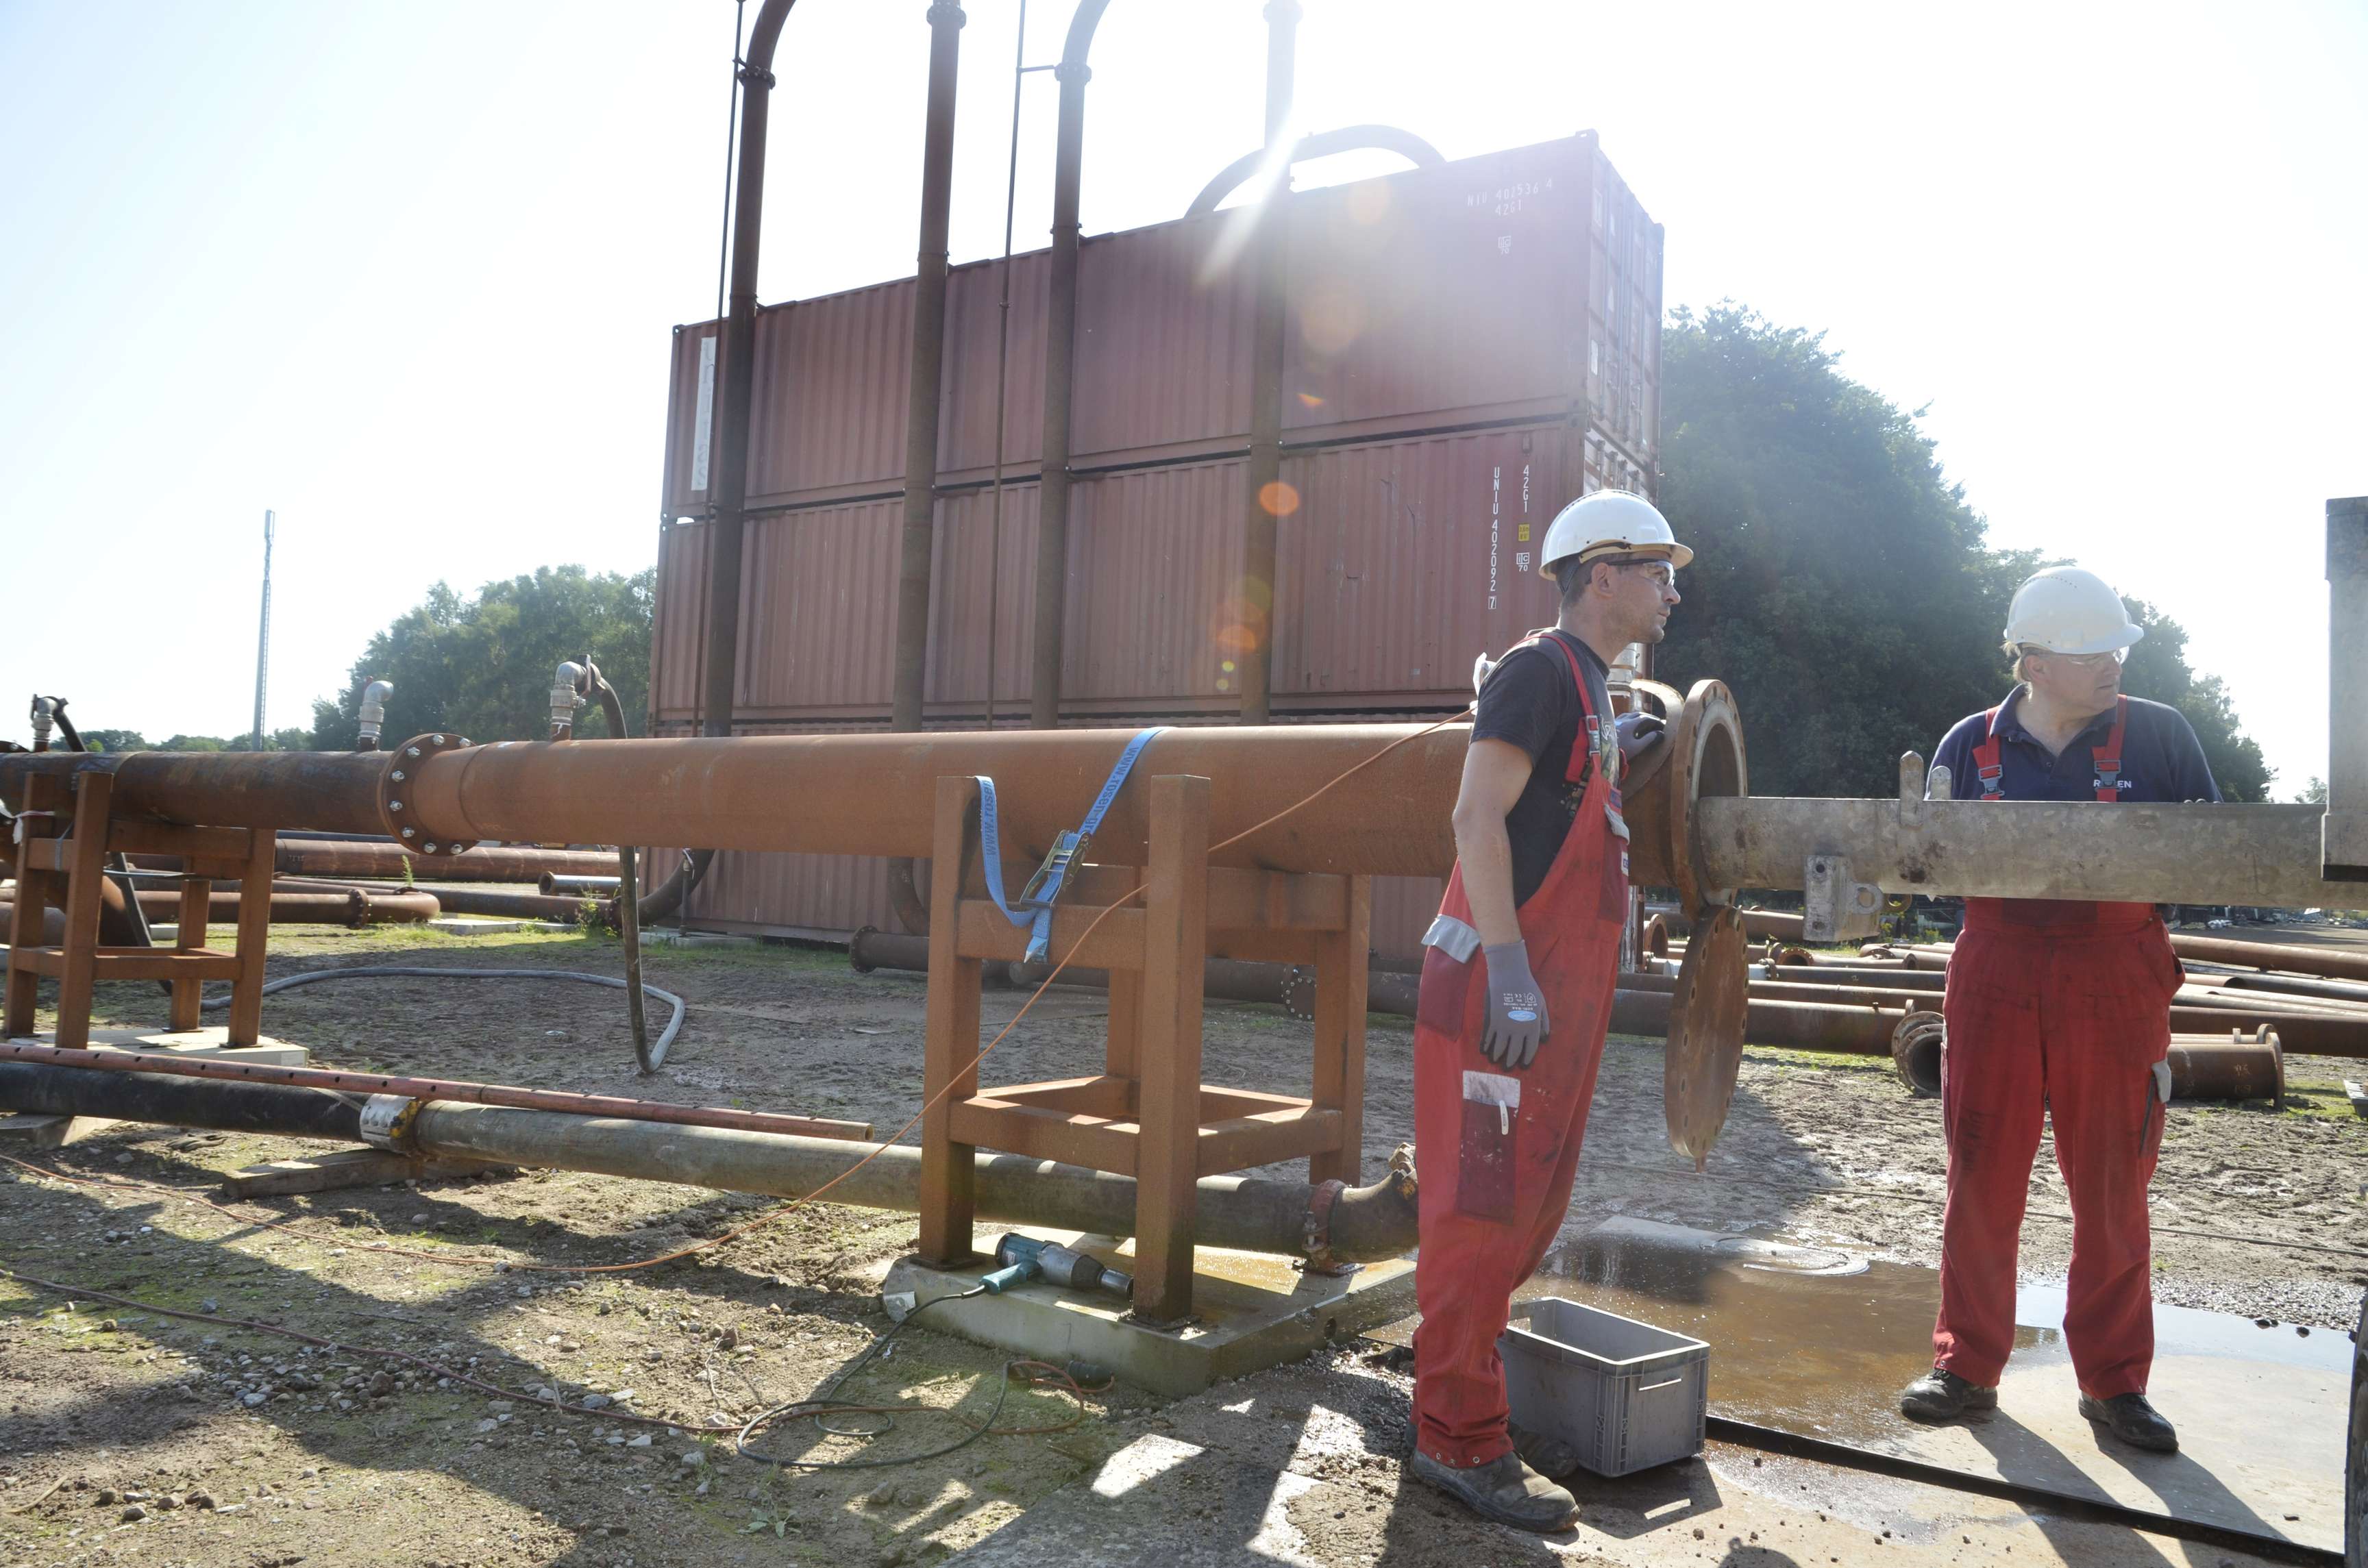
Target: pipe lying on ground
[(299, 905), (2233, 1066), (2323, 962), (556, 885), (347, 861), (606, 1107), (1249, 1213), (1225, 980)]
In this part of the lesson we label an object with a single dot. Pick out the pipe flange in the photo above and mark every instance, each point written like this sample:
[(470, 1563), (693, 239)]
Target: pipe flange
[(1299, 994), (1705, 758), (395, 804), (1916, 1042), (391, 1122), (1317, 1228)]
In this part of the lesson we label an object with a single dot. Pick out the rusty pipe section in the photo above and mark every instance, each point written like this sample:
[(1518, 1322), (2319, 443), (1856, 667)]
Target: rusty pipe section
[(329, 857), (2141, 854), (846, 794), (602, 1107)]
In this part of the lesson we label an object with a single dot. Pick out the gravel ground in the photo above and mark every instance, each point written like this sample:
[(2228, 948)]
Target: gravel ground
[(242, 1449)]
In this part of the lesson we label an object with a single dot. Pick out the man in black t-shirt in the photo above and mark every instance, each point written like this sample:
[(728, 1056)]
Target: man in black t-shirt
[(1505, 1055)]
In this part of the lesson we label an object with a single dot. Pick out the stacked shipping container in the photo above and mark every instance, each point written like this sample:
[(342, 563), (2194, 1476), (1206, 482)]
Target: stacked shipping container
[(1469, 346)]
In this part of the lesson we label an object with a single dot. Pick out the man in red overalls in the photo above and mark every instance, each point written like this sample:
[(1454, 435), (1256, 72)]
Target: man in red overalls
[(1517, 986), (2059, 1009)]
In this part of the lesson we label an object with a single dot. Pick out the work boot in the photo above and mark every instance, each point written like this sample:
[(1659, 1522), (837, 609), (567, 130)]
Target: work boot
[(1941, 1395), (1549, 1456), (1505, 1490), (2129, 1417)]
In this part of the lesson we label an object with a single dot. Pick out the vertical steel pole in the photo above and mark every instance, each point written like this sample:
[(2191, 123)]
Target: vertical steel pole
[(263, 633), (1060, 373), (728, 500), (913, 575), (1267, 501), (2343, 845)]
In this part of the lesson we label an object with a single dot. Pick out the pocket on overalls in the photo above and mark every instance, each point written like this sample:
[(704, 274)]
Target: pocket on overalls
[(1446, 980), (1614, 903), (1483, 1171)]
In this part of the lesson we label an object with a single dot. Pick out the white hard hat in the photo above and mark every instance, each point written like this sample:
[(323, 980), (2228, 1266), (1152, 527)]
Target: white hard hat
[(2066, 610), (1610, 522)]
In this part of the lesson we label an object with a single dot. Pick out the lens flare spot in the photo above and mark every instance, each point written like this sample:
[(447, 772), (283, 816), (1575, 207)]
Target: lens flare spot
[(1225, 685), (1279, 499), (1331, 320), (1369, 201), (1235, 640), (1309, 399), (1228, 667)]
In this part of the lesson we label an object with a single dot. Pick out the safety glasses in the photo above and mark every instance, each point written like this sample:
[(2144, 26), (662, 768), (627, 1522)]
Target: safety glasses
[(2088, 661)]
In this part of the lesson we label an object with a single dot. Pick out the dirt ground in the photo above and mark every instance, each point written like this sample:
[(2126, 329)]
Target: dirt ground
[(130, 1437)]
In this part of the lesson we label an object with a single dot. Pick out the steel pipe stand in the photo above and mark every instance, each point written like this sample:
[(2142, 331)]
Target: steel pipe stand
[(1250, 1312)]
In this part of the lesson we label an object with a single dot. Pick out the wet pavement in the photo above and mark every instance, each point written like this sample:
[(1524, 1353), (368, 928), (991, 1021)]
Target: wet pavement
[(1819, 1342)]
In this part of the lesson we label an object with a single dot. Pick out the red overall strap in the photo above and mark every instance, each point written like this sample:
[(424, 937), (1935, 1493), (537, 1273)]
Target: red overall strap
[(1986, 766), (2106, 758), (1577, 772)]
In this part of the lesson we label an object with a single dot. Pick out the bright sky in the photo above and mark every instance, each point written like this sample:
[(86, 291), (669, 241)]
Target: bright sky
[(405, 272)]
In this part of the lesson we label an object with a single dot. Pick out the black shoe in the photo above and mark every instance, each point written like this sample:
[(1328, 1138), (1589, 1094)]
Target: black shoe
[(1504, 1490), (1941, 1395), (2129, 1417)]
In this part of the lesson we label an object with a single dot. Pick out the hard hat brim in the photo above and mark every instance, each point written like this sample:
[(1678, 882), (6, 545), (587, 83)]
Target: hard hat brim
[(1677, 555), (2129, 636)]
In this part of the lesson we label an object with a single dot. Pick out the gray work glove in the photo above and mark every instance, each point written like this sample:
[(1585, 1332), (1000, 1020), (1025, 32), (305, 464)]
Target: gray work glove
[(1517, 1008), (1636, 732)]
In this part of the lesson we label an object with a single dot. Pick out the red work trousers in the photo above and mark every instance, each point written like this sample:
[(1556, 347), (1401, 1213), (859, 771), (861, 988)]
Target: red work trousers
[(2069, 1026), (1497, 1148)]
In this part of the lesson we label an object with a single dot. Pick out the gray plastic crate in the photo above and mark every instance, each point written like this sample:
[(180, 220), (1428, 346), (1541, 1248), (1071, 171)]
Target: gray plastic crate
[(1624, 1394)]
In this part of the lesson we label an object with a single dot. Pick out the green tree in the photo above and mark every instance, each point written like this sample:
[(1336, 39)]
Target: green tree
[(2158, 668), (482, 666), (2313, 793), (1843, 588), (116, 740)]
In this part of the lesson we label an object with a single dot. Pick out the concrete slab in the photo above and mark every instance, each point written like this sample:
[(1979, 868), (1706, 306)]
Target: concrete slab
[(39, 1129), (476, 925), (2262, 1411), (1302, 1465), (667, 936), (210, 1042), (1254, 1312)]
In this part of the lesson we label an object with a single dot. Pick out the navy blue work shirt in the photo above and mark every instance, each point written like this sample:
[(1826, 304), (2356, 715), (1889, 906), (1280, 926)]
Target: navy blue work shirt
[(2162, 762)]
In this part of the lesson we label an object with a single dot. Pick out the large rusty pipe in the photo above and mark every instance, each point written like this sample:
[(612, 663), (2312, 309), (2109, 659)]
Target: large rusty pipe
[(728, 497), (2147, 854), (291, 905), (1059, 371)]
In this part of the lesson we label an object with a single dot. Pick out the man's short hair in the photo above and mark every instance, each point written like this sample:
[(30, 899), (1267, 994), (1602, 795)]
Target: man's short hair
[(2022, 657), (1573, 573)]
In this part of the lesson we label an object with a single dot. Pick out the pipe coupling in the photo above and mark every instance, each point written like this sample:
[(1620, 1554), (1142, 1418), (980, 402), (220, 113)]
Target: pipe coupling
[(396, 786), (391, 1122), (567, 697), (372, 714)]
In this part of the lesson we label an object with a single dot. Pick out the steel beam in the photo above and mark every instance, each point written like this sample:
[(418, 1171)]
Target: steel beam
[(2343, 847)]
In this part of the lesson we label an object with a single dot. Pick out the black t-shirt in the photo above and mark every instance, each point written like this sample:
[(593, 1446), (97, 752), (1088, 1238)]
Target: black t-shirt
[(1529, 702)]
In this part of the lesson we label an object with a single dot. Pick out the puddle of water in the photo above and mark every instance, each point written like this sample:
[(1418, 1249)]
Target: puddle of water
[(1827, 1353)]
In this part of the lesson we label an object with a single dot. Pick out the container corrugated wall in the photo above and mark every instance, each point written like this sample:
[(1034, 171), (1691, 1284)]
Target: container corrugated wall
[(1468, 347)]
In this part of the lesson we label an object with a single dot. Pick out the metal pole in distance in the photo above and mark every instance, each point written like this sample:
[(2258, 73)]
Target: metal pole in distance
[(263, 633), (1060, 373), (2343, 845), (728, 500), (1003, 365), (1270, 499), (914, 570)]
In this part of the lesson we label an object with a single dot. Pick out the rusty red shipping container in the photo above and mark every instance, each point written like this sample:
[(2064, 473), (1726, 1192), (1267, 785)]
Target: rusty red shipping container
[(1519, 286), (1399, 562), (1468, 346)]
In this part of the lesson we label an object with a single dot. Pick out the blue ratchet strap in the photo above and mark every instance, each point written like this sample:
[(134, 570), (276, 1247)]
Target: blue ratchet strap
[(1035, 903)]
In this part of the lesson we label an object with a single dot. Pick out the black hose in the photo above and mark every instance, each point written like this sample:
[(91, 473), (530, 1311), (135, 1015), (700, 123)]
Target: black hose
[(424, 972)]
